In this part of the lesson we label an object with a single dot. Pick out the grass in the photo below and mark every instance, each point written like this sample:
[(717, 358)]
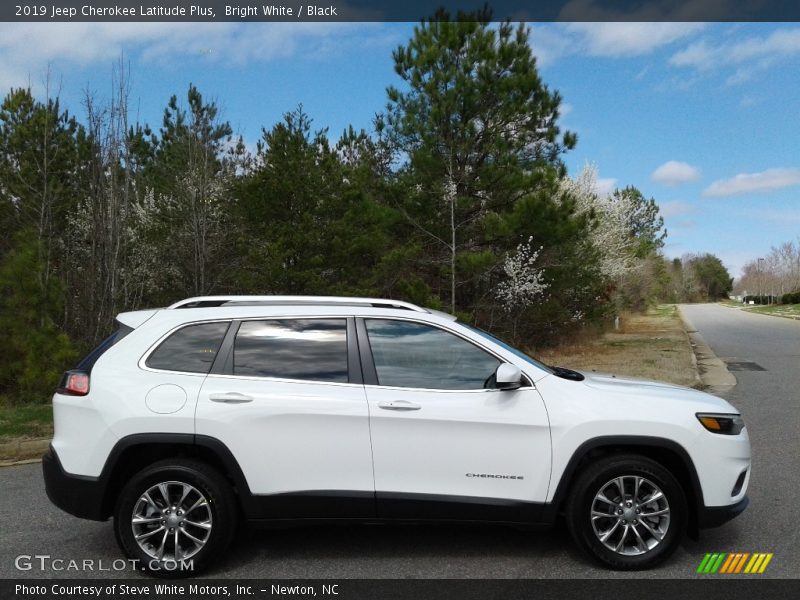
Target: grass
[(730, 302), (26, 421), (649, 346), (780, 310)]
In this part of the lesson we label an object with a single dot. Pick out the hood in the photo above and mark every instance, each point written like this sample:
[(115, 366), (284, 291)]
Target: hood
[(656, 391)]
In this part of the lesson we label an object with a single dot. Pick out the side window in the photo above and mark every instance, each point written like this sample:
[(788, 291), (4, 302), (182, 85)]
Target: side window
[(191, 349), (309, 349), (415, 355)]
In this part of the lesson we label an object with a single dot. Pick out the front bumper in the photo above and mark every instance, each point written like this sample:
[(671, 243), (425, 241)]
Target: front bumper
[(78, 495), (714, 516)]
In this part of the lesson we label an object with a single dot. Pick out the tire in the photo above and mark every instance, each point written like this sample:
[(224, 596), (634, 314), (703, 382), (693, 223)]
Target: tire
[(200, 517), (608, 527)]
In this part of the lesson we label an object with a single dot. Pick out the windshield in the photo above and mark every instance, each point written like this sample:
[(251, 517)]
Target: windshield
[(511, 349)]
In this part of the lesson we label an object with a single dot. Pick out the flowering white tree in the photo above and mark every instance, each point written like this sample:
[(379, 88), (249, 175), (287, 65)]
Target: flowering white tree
[(625, 237), (525, 281), (611, 236)]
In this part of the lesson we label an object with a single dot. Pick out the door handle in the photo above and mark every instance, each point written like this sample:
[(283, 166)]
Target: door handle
[(399, 405), (231, 398)]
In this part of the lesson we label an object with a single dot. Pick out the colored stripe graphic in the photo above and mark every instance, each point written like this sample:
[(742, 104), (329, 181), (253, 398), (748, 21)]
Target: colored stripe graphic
[(703, 563), (735, 562), (740, 564), (752, 562), (728, 563), (717, 564), (757, 566), (764, 564)]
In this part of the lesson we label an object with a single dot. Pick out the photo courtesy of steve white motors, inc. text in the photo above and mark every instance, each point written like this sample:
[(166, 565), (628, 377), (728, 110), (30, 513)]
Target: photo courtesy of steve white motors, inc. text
[(172, 589), (241, 11)]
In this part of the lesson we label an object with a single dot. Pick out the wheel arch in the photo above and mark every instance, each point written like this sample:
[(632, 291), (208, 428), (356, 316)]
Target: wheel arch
[(133, 453), (668, 453)]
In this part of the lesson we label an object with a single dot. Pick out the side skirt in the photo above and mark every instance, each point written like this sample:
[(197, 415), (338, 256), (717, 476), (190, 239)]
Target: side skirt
[(355, 506)]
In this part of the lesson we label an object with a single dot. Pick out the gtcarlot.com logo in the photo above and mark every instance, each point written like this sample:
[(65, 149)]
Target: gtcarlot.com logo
[(732, 563)]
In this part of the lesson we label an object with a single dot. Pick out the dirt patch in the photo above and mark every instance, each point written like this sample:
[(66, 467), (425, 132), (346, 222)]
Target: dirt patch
[(649, 346), (19, 450)]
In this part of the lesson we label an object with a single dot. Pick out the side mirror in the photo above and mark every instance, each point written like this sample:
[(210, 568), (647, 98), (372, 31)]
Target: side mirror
[(508, 377)]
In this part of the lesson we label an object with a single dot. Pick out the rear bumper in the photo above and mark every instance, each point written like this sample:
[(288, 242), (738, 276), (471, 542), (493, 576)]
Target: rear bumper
[(78, 495), (714, 516)]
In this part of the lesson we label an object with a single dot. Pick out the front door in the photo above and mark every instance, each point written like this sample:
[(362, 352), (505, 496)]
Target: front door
[(445, 443)]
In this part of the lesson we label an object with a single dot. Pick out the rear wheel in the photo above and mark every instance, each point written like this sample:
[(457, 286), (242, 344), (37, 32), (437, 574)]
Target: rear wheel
[(175, 517), (627, 511)]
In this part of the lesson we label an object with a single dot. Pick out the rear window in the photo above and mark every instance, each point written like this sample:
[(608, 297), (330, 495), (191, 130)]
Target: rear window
[(88, 361), (191, 349)]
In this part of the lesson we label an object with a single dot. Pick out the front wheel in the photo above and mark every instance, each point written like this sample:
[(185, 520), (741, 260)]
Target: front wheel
[(628, 511), (175, 517)]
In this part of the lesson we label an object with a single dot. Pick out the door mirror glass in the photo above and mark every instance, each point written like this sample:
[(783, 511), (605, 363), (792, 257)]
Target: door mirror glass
[(508, 377)]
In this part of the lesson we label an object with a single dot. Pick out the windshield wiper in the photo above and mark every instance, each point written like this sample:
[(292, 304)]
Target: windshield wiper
[(567, 374)]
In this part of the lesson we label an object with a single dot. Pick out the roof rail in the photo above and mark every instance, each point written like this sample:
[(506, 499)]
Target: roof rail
[(213, 301)]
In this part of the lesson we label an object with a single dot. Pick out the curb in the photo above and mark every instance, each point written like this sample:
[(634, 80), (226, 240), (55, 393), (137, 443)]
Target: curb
[(711, 370), (752, 312), (698, 380), (22, 451)]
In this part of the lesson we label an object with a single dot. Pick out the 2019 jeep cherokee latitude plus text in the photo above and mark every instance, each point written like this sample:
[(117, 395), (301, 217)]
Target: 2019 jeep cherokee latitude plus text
[(279, 409)]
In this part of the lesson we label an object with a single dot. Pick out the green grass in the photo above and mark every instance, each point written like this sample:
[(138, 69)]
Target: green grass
[(664, 310), (781, 310), (32, 420)]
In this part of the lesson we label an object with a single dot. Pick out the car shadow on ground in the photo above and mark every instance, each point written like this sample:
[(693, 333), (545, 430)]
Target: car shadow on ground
[(398, 550)]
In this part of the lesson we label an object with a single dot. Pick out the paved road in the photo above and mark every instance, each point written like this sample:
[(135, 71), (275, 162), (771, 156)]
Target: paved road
[(770, 403), (768, 399)]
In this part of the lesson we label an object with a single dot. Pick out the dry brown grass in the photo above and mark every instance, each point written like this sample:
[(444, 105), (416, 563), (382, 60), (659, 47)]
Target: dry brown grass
[(650, 346)]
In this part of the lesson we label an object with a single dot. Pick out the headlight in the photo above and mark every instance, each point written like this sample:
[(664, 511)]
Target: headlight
[(721, 423)]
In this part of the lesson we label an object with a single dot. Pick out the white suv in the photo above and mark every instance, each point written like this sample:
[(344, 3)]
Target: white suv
[(279, 409)]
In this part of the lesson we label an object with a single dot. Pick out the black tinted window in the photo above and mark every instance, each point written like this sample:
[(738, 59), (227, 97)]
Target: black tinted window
[(419, 356), (312, 349), (191, 349)]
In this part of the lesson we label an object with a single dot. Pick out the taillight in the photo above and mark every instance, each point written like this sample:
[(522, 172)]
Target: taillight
[(74, 383)]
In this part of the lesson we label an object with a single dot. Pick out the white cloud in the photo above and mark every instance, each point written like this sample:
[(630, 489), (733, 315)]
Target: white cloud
[(745, 183), (675, 208), (747, 56), (674, 173), (605, 39), (550, 42), (27, 48), (630, 39), (604, 186)]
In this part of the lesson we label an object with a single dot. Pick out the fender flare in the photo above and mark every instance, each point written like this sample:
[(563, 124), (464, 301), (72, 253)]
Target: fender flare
[(695, 492)]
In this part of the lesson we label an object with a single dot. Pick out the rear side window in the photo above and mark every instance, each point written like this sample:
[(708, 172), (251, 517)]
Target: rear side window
[(191, 349), (88, 361), (307, 349)]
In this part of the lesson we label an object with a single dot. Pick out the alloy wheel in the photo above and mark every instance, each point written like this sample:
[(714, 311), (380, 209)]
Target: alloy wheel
[(630, 515), (171, 521)]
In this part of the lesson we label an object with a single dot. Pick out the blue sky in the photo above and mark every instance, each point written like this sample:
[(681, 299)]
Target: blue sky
[(705, 118)]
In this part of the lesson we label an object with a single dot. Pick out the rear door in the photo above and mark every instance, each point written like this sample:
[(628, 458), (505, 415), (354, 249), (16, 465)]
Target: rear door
[(445, 443), (286, 397)]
